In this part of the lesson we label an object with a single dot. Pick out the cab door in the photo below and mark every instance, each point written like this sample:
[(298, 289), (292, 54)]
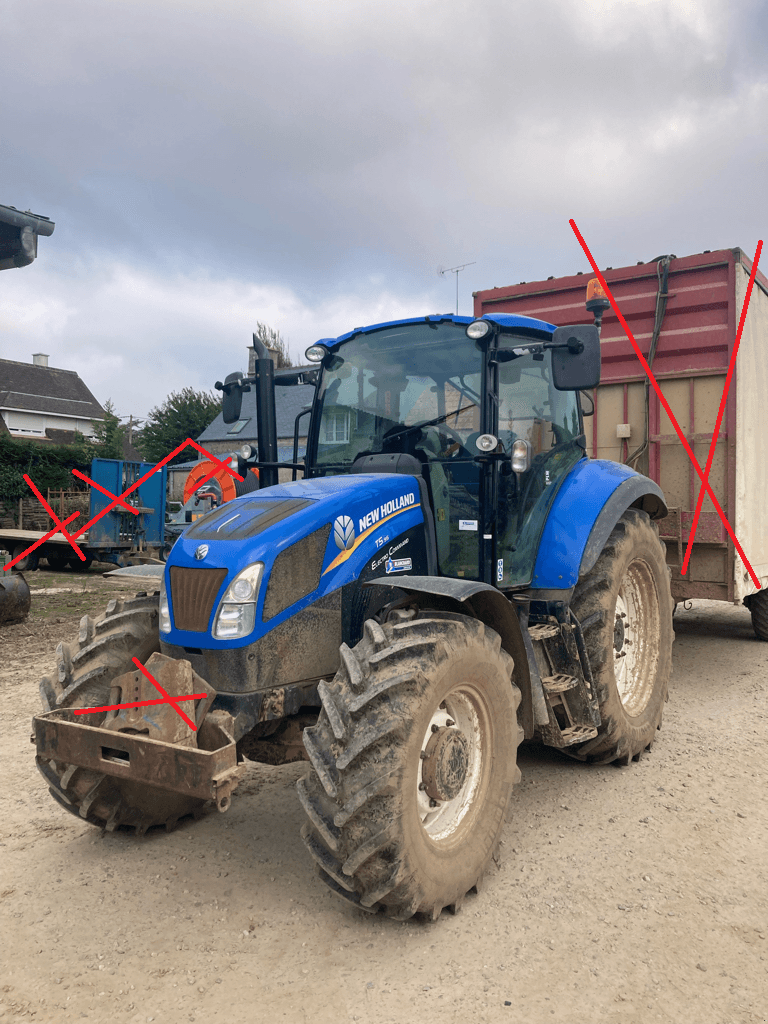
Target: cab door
[(529, 407)]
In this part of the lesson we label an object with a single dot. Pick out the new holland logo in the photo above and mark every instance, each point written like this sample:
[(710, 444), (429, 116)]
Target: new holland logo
[(201, 552), (343, 532)]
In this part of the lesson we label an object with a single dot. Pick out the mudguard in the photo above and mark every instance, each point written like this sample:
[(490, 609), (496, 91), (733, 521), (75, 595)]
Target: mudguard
[(590, 502), (495, 609)]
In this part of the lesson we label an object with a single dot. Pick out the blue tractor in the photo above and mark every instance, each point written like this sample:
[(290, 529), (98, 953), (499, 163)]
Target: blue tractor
[(451, 575)]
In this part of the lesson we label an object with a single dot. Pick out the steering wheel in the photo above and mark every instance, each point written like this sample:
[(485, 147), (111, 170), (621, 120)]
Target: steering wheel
[(446, 431)]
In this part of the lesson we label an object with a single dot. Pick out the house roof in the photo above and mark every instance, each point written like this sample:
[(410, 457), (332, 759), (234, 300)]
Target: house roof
[(289, 402), (47, 389), (18, 236)]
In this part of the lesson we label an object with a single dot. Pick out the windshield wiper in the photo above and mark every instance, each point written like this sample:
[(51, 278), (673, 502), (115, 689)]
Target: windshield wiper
[(392, 432)]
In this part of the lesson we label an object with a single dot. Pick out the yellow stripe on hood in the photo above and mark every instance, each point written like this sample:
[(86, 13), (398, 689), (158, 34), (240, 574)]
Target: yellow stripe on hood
[(344, 555)]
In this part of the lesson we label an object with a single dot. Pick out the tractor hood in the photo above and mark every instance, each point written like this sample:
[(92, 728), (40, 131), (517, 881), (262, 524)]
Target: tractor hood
[(311, 536)]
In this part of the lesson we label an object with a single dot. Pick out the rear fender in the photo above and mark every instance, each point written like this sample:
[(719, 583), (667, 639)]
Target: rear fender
[(591, 500)]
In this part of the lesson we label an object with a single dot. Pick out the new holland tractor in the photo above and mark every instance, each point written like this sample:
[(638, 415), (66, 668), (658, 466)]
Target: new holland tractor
[(451, 575)]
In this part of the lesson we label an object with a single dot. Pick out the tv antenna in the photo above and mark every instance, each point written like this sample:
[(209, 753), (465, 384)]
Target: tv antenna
[(456, 271)]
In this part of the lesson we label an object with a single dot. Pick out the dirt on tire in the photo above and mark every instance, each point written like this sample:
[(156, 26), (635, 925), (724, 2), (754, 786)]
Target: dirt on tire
[(374, 844), (634, 557), (83, 676)]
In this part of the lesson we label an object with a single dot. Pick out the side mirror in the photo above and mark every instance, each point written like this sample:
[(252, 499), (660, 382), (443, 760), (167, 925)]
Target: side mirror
[(232, 399), (575, 357)]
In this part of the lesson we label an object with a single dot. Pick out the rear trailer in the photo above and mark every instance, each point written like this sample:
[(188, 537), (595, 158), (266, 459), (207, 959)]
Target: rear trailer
[(684, 314)]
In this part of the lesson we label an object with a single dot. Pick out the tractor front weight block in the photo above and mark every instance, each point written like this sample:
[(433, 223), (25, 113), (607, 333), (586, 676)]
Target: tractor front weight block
[(207, 772)]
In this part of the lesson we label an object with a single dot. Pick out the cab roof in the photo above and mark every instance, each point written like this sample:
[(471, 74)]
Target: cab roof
[(508, 320)]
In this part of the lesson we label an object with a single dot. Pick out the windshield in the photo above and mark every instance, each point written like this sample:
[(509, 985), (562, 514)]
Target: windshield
[(420, 376)]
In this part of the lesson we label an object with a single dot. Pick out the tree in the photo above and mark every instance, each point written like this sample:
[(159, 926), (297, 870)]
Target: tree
[(274, 340), (108, 433), (183, 414)]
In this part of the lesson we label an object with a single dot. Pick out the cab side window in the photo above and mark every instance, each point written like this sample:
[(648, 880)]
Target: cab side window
[(531, 408)]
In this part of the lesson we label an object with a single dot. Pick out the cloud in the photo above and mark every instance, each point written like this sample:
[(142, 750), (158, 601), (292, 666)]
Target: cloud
[(322, 158), (134, 337)]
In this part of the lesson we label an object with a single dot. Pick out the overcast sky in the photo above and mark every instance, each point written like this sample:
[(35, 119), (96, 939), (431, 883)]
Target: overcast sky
[(311, 164)]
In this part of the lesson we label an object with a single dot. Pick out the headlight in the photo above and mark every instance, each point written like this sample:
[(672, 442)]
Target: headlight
[(164, 625), (246, 452), (236, 614), (486, 443)]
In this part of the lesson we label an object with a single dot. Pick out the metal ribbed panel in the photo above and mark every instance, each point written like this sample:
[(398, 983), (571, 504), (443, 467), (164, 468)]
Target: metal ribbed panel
[(296, 572), (193, 592)]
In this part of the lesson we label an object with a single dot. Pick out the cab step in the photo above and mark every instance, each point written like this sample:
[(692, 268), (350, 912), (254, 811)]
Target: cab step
[(566, 682), (560, 683)]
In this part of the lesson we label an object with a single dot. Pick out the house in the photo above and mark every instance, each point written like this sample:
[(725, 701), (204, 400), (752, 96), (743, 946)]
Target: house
[(36, 398), (221, 437)]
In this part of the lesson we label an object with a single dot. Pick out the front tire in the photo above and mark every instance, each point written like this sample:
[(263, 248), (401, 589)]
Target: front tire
[(83, 678), (414, 758), (625, 607)]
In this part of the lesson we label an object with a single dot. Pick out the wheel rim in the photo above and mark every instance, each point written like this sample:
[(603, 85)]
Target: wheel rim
[(462, 724), (636, 637)]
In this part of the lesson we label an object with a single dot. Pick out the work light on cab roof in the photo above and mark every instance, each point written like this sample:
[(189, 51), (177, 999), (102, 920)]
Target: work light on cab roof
[(479, 329), (316, 353)]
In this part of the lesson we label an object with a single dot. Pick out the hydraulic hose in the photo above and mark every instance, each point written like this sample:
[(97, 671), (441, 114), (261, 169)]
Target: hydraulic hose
[(662, 294)]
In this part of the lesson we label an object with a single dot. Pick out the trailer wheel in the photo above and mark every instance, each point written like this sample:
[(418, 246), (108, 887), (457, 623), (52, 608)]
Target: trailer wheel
[(80, 566), (57, 560), (30, 562), (624, 606), (414, 758), (758, 609), (83, 677)]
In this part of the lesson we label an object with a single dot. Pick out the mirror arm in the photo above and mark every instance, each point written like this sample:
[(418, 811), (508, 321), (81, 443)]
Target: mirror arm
[(574, 346)]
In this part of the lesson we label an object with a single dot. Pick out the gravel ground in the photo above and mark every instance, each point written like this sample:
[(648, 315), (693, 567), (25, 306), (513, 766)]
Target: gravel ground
[(624, 894)]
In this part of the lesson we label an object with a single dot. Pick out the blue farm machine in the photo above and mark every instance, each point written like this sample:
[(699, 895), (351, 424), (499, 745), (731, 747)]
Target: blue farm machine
[(450, 575)]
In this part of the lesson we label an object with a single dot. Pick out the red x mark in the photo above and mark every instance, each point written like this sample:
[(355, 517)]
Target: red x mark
[(218, 464), (165, 699), (703, 476), (109, 494)]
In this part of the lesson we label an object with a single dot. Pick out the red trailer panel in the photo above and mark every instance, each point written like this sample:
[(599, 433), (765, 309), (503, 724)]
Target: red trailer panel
[(696, 318)]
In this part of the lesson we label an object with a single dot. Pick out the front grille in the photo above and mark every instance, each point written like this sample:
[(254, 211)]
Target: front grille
[(193, 592)]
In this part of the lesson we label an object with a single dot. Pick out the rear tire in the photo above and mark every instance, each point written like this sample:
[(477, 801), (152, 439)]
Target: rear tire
[(389, 828), (758, 609), (625, 607), (83, 678)]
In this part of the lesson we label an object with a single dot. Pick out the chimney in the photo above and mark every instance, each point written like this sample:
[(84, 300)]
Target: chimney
[(40, 359)]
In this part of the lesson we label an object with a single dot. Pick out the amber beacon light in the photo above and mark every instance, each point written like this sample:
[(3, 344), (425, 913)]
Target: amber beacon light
[(597, 300)]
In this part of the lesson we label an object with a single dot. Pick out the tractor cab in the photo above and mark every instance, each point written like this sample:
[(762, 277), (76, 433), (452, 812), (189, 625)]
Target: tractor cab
[(485, 411), (476, 404)]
